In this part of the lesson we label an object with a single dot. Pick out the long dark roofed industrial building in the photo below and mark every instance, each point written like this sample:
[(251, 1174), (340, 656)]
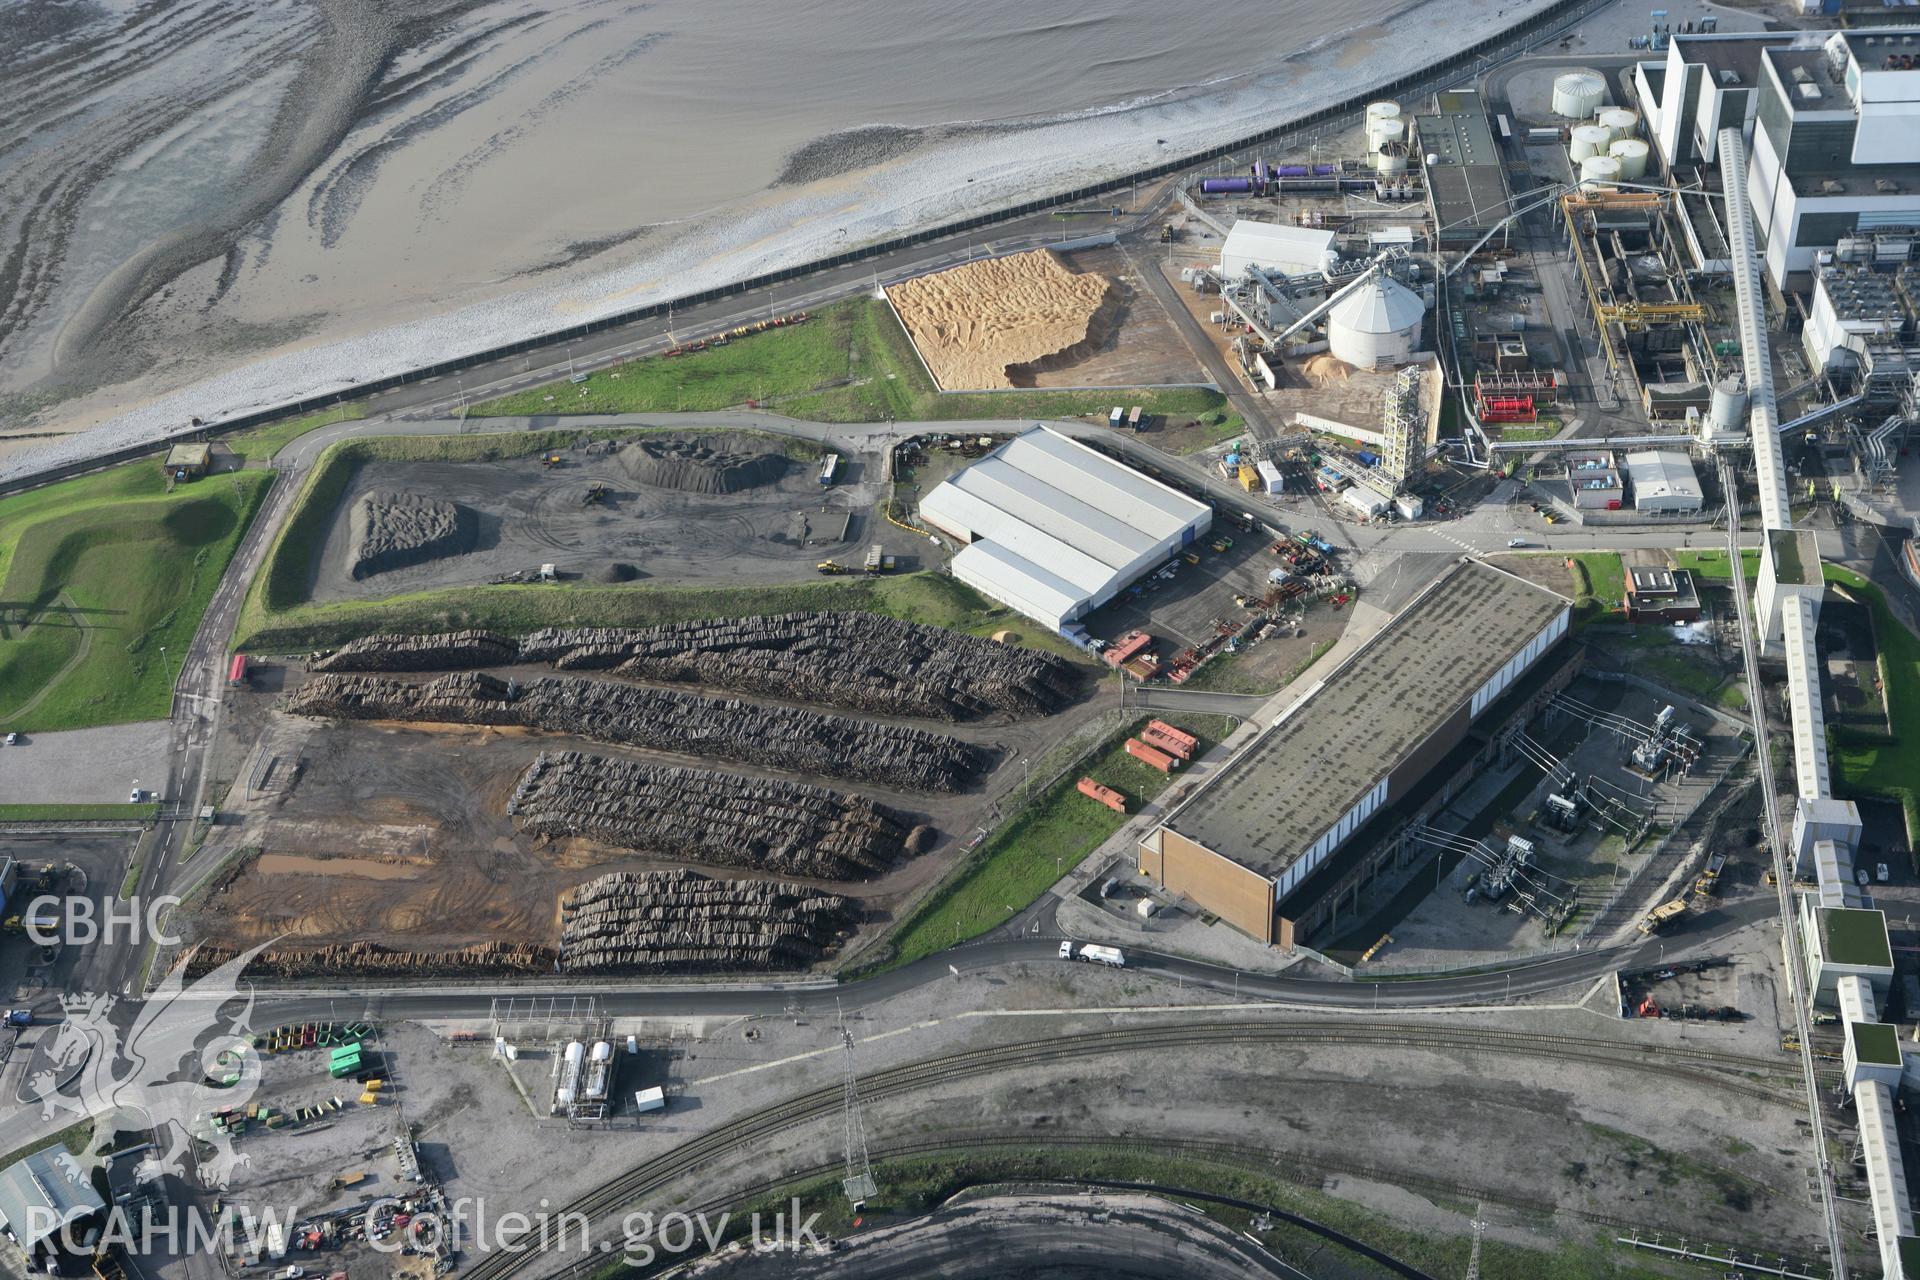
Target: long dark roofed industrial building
[(1246, 845)]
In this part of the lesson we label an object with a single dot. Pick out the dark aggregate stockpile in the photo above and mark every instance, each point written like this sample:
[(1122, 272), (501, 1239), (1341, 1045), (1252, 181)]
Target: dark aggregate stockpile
[(775, 737), (682, 922), (859, 660), (389, 530), (697, 815), (710, 464)]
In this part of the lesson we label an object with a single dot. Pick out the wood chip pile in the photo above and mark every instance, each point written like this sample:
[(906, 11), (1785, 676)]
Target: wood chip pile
[(787, 738), (697, 815), (683, 922)]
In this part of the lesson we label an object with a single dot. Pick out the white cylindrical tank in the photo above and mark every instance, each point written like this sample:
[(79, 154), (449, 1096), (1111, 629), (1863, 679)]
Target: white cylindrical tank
[(1391, 158), (1376, 325), (1578, 94), (1729, 411), (1385, 109), (575, 1053), (1587, 141), (1620, 122), (1596, 170), (602, 1051), (1382, 132), (1632, 155)]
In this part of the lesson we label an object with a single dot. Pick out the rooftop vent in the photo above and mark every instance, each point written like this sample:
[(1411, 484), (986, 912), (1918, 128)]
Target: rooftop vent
[(1810, 92), (1832, 186), (1886, 186), (1728, 76), (1802, 76)]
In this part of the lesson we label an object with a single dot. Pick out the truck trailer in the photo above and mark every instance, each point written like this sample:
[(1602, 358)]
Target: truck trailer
[(1093, 953)]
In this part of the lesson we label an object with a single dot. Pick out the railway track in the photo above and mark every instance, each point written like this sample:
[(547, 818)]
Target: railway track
[(1721, 1071)]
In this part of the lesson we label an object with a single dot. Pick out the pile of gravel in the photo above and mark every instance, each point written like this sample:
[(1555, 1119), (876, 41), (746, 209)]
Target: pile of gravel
[(706, 464), (391, 530)]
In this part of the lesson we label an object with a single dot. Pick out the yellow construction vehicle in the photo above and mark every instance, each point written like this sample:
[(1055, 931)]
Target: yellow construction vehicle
[(830, 567), (1663, 915)]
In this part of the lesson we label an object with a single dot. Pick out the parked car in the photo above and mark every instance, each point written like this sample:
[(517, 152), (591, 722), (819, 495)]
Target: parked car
[(13, 739), (1516, 542)]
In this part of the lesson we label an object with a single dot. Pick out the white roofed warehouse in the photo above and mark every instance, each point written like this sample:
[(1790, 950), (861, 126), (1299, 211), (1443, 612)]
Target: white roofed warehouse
[(1054, 529)]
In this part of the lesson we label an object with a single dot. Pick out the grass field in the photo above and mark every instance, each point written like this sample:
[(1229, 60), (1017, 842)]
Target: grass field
[(1599, 581), (851, 363), (1060, 827), (1715, 564), (1228, 673), (104, 579), (78, 812), (261, 443)]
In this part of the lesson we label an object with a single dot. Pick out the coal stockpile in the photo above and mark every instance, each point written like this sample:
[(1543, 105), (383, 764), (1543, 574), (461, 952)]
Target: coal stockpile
[(697, 815), (788, 738), (389, 530), (447, 651), (861, 661), (710, 464), (682, 922)]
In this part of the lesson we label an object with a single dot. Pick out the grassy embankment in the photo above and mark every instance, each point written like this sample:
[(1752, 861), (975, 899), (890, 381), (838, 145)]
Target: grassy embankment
[(851, 363), (104, 580), (261, 443), (1599, 584), (1871, 764), (278, 618), (1048, 838), (918, 1184)]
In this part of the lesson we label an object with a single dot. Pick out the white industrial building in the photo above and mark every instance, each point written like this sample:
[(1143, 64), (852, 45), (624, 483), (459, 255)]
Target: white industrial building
[(1272, 246), (1054, 529), (1832, 116), (1662, 481), (1854, 309)]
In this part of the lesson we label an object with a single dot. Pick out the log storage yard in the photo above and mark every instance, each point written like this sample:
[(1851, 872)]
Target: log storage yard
[(707, 796)]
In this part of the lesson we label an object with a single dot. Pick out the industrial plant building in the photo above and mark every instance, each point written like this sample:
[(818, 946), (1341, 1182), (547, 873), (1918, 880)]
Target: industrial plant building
[(1054, 529), (1832, 116), (1663, 482), (1318, 804), (1274, 247), (1466, 180)]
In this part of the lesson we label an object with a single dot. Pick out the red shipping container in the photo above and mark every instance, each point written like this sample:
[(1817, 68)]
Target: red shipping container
[(1167, 738), (1105, 795), (1147, 755)]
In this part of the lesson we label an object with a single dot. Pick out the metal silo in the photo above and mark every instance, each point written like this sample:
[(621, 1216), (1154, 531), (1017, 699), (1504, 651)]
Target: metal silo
[(1632, 155), (1587, 141), (1599, 170), (1377, 325), (1578, 94), (1620, 122)]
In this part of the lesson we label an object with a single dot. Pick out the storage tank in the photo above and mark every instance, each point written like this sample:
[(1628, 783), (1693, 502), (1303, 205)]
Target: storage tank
[(1391, 158), (1385, 109), (1632, 155), (1587, 141), (1383, 131), (1377, 325), (1596, 170), (1226, 186), (1728, 413), (1619, 121), (1578, 94)]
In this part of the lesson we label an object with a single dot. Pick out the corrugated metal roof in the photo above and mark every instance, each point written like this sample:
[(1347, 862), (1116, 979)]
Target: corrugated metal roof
[(1662, 473), (1273, 244), (53, 1180), (1015, 580), (1064, 519)]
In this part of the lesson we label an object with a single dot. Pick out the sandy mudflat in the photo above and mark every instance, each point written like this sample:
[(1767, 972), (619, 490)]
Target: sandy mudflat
[(976, 325), (233, 208)]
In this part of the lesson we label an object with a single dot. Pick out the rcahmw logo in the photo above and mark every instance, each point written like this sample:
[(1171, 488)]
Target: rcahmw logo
[(52, 920)]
